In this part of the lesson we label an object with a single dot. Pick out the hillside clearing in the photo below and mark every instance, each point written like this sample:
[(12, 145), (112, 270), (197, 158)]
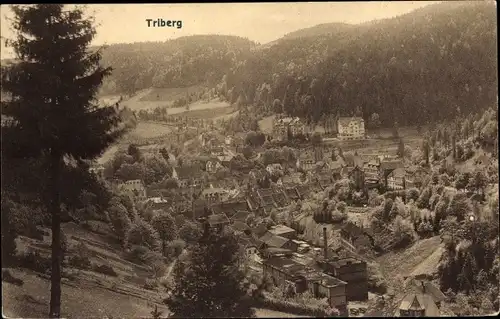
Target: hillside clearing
[(406, 261), (150, 130), (121, 296), (32, 299), (266, 124), (169, 94)]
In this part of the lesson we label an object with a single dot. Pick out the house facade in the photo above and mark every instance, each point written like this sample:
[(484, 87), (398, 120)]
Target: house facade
[(213, 195), (282, 126), (396, 179), (188, 176), (351, 128), (306, 163), (284, 272), (283, 231), (213, 165), (354, 273)]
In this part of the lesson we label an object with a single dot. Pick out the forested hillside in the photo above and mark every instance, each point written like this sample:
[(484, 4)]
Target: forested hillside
[(429, 64), (185, 61)]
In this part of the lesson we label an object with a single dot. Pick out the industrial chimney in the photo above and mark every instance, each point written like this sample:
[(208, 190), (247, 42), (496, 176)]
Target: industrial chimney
[(325, 244)]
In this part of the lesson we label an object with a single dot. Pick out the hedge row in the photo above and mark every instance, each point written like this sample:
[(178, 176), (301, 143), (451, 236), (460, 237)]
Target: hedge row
[(290, 307)]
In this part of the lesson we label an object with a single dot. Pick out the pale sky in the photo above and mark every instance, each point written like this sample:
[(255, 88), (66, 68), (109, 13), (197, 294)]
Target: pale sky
[(260, 22)]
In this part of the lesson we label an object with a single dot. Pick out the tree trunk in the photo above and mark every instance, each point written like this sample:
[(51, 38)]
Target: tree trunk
[(55, 279)]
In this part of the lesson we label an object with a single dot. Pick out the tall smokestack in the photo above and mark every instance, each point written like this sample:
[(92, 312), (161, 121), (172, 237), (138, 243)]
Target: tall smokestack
[(325, 244)]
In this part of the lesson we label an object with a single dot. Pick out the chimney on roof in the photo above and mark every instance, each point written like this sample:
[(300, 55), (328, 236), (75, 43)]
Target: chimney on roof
[(325, 244)]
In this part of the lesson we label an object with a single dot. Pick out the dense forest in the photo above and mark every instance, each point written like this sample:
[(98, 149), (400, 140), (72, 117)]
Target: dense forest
[(185, 61), (433, 63), (429, 64)]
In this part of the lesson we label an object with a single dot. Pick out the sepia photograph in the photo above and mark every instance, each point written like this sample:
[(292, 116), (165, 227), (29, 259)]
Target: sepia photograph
[(250, 160)]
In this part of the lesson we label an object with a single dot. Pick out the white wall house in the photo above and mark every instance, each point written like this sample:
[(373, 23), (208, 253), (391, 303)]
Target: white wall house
[(351, 128)]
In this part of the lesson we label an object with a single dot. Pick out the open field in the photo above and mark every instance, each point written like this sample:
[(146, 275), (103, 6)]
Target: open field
[(409, 260), (169, 94), (199, 106), (86, 294), (266, 124), (150, 130), (208, 113)]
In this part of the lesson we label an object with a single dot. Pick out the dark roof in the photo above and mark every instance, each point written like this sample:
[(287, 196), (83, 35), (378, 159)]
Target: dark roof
[(239, 226), (280, 198), (275, 241), (260, 230), (271, 251), (344, 262), (303, 190), (281, 229), (249, 242), (345, 121), (294, 269), (390, 164), (241, 216), (266, 236), (420, 302), (217, 219), (185, 172), (230, 208), (292, 193)]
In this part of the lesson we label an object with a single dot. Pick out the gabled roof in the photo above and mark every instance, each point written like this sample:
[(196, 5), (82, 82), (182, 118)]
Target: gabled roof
[(292, 193), (185, 172), (276, 241), (239, 226), (266, 236), (399, 172), (240, 216), (345, 121), (217, 219), (281, 229), (420, 302), (390, 164), (259, 230), (213, 190)]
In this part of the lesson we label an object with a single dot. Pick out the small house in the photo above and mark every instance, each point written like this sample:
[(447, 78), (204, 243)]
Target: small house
[(283, 231)]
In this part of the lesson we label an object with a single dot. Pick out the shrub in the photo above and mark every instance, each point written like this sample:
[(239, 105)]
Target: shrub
[(158, 268), (104, 269), (142, 233), (79, 262), (290, 307), (7, 277), (34, 261), (376, 281), (142, 255), (150, 284), (338, 217), (176, 247)]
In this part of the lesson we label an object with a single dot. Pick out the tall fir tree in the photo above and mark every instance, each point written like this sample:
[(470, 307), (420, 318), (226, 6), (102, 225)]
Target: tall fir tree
[(210, 283), (401, 148), (53, 106)]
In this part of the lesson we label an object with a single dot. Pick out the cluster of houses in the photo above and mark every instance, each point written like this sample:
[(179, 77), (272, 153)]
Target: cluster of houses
[(284, 261), (347, 128), (231, 202)]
